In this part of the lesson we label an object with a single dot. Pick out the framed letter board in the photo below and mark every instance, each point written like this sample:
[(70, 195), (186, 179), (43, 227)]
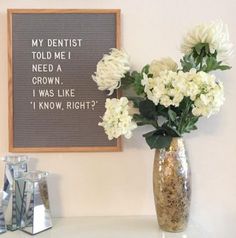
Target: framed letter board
[(54, 105)]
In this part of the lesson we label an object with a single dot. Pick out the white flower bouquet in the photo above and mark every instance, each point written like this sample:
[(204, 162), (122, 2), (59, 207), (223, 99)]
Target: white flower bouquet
[(169, 97)]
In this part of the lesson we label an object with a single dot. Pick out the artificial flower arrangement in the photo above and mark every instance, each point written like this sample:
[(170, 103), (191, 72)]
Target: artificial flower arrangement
[(169, 97)]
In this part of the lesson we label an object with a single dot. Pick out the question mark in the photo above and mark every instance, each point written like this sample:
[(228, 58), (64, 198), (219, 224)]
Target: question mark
[(93, 104)]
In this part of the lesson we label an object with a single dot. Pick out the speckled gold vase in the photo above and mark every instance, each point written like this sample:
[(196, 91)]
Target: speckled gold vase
[(172, 186)]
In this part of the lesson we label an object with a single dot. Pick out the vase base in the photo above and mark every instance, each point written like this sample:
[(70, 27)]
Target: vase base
[(172, 229)]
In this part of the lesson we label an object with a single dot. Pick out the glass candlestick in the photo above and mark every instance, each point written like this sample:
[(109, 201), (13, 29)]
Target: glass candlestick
[(35, 211), (15, 166)]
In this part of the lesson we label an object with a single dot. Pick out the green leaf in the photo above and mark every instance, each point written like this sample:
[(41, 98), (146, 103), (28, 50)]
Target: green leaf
[(135, 74), (201, 48), (150, 133), (172, 115), (145, 69), (198, 48), (194, 127), (139, 88), (207, 49), (188, 63), (211, 64), (158, 141), (162, 111), (127, 80), (185, 105), (136, 101), (189, 127), (147, 109), (194, 119), (202, 59), (159, 131), (170, 130), (141, 121), (224, 67), (198, 61)]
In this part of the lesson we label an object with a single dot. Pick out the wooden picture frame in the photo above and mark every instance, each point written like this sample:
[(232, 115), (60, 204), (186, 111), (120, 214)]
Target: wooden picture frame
[(13, 146)]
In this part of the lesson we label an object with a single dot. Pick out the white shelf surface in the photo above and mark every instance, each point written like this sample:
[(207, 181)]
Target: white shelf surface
[(109, 227)]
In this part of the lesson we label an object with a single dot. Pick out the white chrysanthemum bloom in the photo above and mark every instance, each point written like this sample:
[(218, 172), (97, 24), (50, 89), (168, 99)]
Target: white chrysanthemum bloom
[(211, 97), (118, 119), (157, 66), (215, 34), (111, 69)]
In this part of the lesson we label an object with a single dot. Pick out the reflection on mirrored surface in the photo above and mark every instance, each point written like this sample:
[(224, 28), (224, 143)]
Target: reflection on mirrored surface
[(2, 218), (15, 166), (35, 210)]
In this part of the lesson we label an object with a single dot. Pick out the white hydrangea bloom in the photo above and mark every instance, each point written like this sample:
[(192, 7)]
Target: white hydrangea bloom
[(163, 89), (154, 88), (157, 66), (110, 69), (170, 88), (215, 34), (211, 97), (117, 119), (192, 81)]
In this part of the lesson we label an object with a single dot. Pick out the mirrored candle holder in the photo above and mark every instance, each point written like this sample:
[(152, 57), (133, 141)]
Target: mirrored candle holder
[(35, 210), (15, 166), (2, 217)]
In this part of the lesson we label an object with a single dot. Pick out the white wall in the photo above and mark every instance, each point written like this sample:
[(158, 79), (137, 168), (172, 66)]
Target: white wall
[(121, 183)]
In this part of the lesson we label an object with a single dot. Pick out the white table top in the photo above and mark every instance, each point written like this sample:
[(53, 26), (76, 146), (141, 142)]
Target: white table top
[(109, 227)]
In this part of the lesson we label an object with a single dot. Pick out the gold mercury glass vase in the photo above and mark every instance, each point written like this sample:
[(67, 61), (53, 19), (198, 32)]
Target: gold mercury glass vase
[(172, 186)]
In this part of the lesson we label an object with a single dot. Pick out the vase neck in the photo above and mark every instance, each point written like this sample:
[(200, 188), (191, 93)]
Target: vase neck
[(177, 143)]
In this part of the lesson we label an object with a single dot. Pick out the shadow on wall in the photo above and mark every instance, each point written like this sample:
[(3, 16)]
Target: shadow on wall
[(54, 195), (137, 141)]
